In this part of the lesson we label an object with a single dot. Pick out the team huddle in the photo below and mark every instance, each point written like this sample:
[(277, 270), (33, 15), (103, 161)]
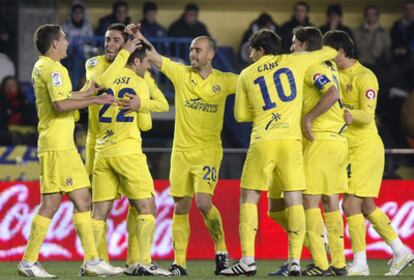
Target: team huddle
[(314, 138)]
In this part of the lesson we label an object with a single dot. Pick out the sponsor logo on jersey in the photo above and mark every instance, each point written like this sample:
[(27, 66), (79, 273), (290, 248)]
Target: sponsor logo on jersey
[(274, 119), (216, 88), (370, 94), (92, 62), (200, 105), (56, 79)]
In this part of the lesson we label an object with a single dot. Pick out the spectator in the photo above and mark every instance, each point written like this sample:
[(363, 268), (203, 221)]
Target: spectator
[(264, 21), (119, 15), (299, 18), (402, 35), (188, 24), (149, 25), (372, 40), (15, 109), (334, 20), (77, 23)]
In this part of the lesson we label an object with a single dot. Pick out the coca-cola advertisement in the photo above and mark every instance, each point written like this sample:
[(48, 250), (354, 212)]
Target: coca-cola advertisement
[(19, 202)]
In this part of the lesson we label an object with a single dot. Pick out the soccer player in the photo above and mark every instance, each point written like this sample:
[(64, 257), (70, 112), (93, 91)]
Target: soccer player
[(366, 155), (120, 165), (269, 93), (200, 95), (101, 69), (325, 153), (61, 168)]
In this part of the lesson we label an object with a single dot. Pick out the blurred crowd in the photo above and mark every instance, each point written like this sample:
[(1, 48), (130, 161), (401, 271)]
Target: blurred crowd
[(389, 53)]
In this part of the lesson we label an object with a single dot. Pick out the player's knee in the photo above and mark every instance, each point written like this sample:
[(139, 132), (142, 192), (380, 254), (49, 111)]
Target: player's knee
[(368, 207), (48, 208), (203, 205)]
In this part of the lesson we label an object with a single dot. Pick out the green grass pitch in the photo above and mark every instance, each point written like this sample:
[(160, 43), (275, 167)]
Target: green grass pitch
[(197, 270)]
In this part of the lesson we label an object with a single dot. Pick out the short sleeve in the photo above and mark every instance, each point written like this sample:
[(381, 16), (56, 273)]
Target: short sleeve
[(58, 83)]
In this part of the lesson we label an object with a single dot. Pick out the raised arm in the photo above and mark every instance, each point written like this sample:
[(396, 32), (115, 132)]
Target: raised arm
[(157, 102)]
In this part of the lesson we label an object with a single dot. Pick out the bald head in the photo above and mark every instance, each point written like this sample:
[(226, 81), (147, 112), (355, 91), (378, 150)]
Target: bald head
[(202, 51)]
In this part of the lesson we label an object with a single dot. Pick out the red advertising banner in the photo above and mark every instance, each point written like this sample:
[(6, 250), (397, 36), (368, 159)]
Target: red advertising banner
[(19, 202)]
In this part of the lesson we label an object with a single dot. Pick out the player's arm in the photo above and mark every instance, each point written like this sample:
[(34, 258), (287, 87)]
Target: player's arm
[(157, 101), (242, 111), (231, 83), (144, 118), (368, 93), (306, 59)]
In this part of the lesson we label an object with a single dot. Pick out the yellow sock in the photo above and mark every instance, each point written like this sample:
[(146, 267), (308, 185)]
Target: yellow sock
[(38, 232), (83, 224), (145, 229), (214, 225), (335, 233), (357, 232), (98, 227), (180, 236), (382, 225), (296, 230), (248, 228), (280, 217), (102, 246), (315, 231), (133, 249)]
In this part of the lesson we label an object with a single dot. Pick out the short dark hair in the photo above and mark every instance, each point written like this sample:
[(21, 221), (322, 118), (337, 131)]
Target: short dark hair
[(309, 34), (369, 7), (118, 4), (340, 40), (45, 35), (334, 9), (302, 3), (266, 39), (138, 53), (149, 6), (191, 7), (119, 27)]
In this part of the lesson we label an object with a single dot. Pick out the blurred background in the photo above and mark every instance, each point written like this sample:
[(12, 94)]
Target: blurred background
[(383, 32)]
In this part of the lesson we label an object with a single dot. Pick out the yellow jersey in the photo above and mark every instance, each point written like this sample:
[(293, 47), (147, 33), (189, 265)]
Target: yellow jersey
[(117, 132), (318, 79), (199, 104), (270, 93), (360, 92), (51, 83)]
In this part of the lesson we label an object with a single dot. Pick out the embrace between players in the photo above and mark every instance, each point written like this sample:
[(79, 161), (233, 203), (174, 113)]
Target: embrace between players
[(313, 114)]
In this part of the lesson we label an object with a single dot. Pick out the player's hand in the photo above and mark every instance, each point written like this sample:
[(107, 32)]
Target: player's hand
[(132, 28), (106, 99), (92, 89), (347, 117), (130, 102), (307, 128), (132, 44)]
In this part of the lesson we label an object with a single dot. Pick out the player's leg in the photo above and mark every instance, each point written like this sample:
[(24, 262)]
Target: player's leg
[(133, 249), (402, 256), (357, 230), (315, 229), (181, 234), (277, 212), (247, 231), (335, 233), (214, 224)]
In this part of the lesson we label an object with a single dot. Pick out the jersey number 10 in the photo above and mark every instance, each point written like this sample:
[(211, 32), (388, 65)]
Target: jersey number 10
[(279, 88), (120, 117)]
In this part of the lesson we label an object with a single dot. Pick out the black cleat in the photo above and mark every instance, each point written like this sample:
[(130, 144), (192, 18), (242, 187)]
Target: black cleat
[(338, 271), (282, 271), (313, 270), (177, 270), (222, 262)]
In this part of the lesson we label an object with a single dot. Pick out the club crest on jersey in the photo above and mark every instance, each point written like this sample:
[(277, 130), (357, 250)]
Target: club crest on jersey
[(56, 79), (69, 181), (370, 94), (216, 88), (92, 62)]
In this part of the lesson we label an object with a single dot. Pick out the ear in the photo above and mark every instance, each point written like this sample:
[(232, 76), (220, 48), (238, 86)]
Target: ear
[(261, 51), (54, 44)]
